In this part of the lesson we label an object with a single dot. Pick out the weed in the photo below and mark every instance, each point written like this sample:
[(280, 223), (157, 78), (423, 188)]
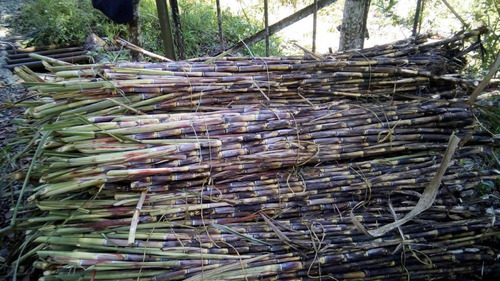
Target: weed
[(68, 22), (61, 22), (486, 187)]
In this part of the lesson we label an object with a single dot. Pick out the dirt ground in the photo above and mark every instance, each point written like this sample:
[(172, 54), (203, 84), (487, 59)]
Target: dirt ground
[(10, 90)]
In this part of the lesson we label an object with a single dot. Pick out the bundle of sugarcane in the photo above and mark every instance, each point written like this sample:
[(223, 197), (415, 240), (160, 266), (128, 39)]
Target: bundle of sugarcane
[(238, 168), (325, 187), (313, 245), (145, 150), (295, 248), (285, 193), (407, 69), (175, 196), (282, 224)]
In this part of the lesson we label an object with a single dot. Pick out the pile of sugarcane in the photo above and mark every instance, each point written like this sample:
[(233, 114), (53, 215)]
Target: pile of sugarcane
[(152, 150), (22, 57), (262, 168), (406, 70)]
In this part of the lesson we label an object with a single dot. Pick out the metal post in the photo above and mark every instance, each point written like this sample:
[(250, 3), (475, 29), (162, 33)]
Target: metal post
[(266, 22), (315, 20)]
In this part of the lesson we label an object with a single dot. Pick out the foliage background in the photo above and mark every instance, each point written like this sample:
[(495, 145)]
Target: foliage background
[(67, 22), (437, 18)]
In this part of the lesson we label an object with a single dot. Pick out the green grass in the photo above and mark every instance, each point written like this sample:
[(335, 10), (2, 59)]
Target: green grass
[(61, 22), (490, 121), (68, 22)]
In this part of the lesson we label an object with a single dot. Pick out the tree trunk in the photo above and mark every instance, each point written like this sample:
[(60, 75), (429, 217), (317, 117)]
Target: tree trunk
[(418, 17), (179, 40), (353, 29), (166, 31), (134, 28), (219, 24)]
